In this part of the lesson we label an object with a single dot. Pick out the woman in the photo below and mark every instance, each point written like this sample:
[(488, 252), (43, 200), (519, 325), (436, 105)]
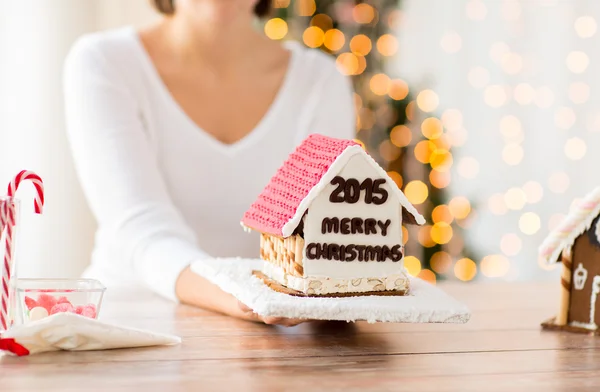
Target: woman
[(176, 129)]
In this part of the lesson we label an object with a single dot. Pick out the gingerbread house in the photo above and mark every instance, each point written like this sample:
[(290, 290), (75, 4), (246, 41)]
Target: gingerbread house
[(331, 223), (576, 244)]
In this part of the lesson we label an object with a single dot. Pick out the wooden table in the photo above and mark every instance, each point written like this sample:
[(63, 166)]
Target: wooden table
[(501, 349)]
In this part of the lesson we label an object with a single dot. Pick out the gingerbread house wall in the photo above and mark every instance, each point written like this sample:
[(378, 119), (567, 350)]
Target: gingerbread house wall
[(321, 207), (585, 281), (285, 253)]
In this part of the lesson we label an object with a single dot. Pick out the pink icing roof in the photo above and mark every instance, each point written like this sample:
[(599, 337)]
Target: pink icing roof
[(578, 221), (292, 182)]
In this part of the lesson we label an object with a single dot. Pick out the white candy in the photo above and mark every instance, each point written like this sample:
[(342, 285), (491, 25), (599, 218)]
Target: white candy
[(37, 313)]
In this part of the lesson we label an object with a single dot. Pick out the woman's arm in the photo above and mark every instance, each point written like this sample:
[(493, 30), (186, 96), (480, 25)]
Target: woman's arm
[(195, 290), (120, 176)]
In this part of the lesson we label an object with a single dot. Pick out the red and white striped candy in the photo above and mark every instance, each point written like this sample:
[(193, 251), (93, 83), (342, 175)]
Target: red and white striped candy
[(8, 222), (37, 183)]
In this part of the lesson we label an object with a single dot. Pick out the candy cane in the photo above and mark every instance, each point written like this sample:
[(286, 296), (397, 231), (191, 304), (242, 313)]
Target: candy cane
[(3, 304), (8, 221), (37, 183)]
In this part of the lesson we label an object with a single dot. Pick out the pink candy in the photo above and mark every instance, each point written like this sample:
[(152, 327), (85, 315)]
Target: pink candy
[(46, 301), (62, 308), (30, 302), (60, 305)]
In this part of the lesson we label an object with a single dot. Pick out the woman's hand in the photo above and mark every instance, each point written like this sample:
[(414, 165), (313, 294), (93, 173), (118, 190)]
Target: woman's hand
[(193, 289), (248, 314)]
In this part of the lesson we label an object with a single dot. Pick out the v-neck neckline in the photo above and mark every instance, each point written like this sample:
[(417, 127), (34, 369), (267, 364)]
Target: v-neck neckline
[(257, 131)]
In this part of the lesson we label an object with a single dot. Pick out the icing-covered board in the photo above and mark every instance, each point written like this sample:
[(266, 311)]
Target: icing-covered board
[(424, 304)]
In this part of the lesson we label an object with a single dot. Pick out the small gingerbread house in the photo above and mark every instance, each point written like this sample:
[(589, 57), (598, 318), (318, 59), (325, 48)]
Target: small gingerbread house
[(331, 223), (576, 244)]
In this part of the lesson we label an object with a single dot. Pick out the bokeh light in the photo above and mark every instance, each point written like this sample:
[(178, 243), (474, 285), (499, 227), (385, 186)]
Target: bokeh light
[(575, 148), (388, 151), (363, 13), (524, 93), (276, 28), (397, 178), (347, 63), (440, 179), (497, 205), (495, 266), (465, 269), (577, 61), (432, 128), (468, 167), (495, 96), (512, 154), (412, 265), (579, 92), (460, 207), (323, 21), (451, 42), (529, 223), (512, 63), (424, 237), (401, 136), (427, 100), (544, 97), (387, 45), (476, 10), (452, 119), (478, 77), (398, 89), (427, 276), (511, 10), (515, 199), (405, 235), (441, 160), (305, 7), (334, 40), (441, 233), (380, 84), (457, 137), (585, 26), (361, 44), (564, 118), (533, 191), (498, 50), (511, 244), (559, 182), (442, 213), (511, 129), (313, 37), (416, 192), (441, 262)]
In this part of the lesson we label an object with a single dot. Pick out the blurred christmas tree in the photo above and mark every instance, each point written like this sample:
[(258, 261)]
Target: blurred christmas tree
[(395, 125)]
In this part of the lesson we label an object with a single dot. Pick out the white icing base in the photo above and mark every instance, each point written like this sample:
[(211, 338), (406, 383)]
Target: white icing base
[(591, 327), (322, 285)]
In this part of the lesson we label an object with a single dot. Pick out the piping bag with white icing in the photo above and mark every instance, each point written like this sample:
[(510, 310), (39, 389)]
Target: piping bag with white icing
[(72, 332)]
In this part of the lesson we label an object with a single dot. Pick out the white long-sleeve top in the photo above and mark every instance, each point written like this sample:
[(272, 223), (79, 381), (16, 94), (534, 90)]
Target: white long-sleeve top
[(164, 192)]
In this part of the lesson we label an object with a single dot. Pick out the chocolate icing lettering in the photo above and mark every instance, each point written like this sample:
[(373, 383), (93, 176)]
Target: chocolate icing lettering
[(353, 252), (396, 253), (335, 195), (378, 190), (330, 225), (334, 252), (356, 225), (370, 226), (345, 226), (384, 226), (361, 252)]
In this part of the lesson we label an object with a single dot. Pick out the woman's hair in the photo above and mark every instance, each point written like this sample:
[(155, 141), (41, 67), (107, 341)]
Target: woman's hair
[(167, 7)]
